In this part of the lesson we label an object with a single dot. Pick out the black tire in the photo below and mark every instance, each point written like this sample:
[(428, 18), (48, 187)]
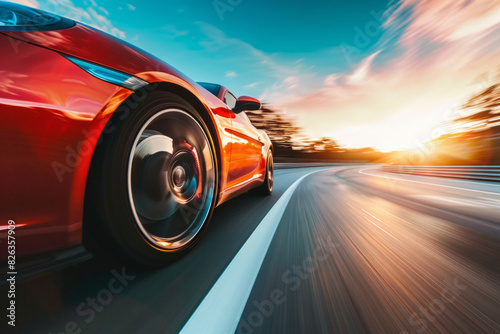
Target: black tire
[(153, 181), (266, 188)]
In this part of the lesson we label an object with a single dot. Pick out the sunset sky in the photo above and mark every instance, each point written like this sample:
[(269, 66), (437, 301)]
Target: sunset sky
[(366, 73)]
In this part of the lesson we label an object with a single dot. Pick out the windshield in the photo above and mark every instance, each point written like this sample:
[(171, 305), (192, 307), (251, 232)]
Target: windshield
[(212, 88)]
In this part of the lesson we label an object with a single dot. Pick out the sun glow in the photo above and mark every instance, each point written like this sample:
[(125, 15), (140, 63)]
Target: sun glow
[(399, 98)]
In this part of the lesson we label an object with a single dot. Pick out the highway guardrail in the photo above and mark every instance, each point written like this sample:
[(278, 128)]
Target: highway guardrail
[(483, 173)]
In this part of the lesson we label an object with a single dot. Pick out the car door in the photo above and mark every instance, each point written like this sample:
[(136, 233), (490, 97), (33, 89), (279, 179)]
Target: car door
[(246, 146)]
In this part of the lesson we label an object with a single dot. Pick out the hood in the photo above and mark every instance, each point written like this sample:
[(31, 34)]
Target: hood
[(84, 42)]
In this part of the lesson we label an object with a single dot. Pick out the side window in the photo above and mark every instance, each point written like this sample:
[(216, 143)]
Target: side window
[(229, 100)]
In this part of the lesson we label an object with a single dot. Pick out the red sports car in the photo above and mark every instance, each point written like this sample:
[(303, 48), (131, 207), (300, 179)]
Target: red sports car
[(100, 139)]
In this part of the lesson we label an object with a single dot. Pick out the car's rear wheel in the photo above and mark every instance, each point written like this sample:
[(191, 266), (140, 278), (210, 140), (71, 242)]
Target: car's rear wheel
[(266, 188), (157, 180)]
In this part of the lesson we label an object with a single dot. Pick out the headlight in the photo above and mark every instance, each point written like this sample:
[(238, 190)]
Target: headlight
[(109, 75), (18, 17)]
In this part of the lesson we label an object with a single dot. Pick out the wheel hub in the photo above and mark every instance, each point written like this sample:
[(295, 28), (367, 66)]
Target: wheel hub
[(179, 176)]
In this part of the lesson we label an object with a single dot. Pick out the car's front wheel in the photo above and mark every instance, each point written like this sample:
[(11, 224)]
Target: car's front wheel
[(157, 180)]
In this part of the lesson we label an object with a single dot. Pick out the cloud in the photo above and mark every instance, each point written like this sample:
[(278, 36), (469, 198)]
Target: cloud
[(231, 74), (291, 80), (131, 7), (448, 20), (218, 42), (104, 10), (253, 63), (398, 96), (331, 80), (92, 14), (29, 3), (173, 32), (252, 85), (361, 73)]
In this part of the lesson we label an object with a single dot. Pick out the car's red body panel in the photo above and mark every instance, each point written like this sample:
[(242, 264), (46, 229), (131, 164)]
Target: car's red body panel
[(52, 114)]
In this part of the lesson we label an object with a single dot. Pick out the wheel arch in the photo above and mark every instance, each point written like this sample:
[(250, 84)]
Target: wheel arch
[(129, 105), (140, 96), (203, 111)]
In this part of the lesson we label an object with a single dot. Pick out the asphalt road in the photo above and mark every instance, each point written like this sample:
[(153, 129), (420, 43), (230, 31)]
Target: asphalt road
[(342, 250)]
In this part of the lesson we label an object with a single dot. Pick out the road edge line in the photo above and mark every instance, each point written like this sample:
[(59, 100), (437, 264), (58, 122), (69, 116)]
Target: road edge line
[(221, 309)]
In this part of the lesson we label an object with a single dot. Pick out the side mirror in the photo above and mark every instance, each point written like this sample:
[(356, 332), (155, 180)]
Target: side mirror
[(246, 103)]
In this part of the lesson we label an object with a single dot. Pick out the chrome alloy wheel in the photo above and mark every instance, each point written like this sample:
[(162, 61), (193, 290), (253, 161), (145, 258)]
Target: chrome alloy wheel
[(270, 172), (171, 179)]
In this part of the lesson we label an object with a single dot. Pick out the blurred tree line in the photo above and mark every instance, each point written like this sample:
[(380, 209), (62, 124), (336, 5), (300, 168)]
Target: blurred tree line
[(472, 138), (291, 143)]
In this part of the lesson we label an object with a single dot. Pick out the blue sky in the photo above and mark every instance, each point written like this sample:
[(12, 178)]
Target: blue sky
[(248, 46), (378, 73)]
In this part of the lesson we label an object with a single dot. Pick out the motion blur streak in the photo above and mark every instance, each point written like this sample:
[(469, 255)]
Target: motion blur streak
[(398, 265), (353, 253), (219, 311)]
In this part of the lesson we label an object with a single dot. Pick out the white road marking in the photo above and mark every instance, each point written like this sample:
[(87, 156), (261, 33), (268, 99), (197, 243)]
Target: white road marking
[(374, 223), (406, 221), (380, 228), (221, 309), (449, 201), (475, 202), (490, 202), (421, 182), (371, 215)]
